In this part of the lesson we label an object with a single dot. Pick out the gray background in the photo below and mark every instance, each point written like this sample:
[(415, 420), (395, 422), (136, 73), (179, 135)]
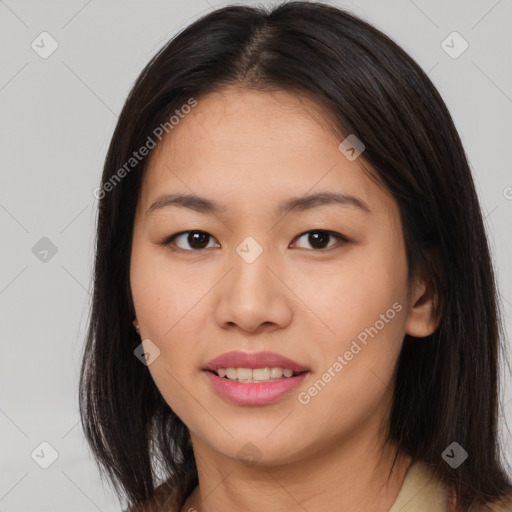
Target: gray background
[(57, 116)]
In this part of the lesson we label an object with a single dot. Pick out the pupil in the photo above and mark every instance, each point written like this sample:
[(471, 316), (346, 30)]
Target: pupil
[(318, 238), (195, 237)]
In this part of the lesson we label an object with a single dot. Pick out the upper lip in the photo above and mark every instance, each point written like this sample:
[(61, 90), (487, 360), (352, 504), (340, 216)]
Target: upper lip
[(237, 359)]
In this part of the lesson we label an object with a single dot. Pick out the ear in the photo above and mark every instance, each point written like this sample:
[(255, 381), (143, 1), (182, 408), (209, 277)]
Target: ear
[(135, 323), (424, 314)]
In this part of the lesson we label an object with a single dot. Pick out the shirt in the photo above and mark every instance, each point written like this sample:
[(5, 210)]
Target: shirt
[(421, 492)]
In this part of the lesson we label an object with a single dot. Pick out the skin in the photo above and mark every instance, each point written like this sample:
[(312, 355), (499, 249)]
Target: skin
[(249, 151)]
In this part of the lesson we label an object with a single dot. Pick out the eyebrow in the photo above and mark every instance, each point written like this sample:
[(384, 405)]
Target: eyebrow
[(204, 205)]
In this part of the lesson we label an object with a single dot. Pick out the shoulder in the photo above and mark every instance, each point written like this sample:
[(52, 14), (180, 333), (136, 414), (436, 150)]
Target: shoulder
[(164, 499)]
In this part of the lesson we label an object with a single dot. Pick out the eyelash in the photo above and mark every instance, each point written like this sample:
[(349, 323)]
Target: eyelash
[(169, 241)]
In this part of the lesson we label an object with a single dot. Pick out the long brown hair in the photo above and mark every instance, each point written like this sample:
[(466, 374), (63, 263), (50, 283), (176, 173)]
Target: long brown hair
[(447, 385)]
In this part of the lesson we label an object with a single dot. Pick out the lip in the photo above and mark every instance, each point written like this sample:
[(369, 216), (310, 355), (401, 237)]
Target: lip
[(254, 393), (238, 359)]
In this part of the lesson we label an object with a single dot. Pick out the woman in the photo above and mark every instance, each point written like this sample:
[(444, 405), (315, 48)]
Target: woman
[(294, 303)]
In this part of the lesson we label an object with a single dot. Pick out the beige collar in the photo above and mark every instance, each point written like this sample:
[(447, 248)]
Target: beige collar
[(421, 492)]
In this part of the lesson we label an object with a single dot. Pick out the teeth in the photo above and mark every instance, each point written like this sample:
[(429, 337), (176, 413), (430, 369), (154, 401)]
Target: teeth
[(231, 373), (243, 374), (275, 373), (260, 374), (256, 375)]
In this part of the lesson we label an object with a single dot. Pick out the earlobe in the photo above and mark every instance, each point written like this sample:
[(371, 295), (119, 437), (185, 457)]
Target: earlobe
[(136, 324), (424, 315)]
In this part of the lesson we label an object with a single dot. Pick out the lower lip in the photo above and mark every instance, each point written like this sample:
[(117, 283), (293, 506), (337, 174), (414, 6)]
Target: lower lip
[(258, 393)]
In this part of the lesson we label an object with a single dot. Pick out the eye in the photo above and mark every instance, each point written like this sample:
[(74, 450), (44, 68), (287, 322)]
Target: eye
[(320, 238), (196, 240)]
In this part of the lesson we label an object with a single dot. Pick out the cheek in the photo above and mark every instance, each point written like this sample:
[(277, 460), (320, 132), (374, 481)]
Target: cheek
[(163, 294), (346, 296), (167, 300), (363, 304), (354, 381), (159, 310)]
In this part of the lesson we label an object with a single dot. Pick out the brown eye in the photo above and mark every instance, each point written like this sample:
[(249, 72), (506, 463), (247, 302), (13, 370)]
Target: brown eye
[(189, 240), (319, 239)]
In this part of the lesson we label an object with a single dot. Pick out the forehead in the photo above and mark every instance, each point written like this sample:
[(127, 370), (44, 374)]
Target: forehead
[(250, 149)]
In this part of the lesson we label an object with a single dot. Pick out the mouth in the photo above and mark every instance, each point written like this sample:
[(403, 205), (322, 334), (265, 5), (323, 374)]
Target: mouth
[(252, 379)]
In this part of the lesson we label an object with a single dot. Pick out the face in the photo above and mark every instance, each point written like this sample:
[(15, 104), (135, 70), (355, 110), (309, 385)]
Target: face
[(322, 282)]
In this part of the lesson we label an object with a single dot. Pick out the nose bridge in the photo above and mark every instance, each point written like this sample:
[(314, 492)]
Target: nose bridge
[(251, 295), (250, 249), (250, 263)]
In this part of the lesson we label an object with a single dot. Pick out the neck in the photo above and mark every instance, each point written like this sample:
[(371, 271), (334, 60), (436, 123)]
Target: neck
[(353, 475)]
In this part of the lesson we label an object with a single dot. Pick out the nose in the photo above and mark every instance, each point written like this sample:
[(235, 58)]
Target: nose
[(253, 296)]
